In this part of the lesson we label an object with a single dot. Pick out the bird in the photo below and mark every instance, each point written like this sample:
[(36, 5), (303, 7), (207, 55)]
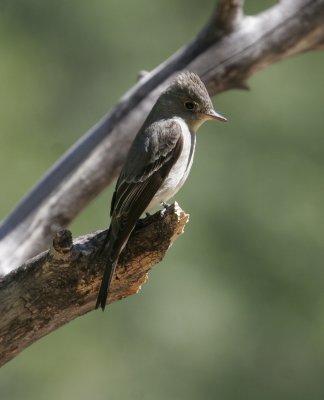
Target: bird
[(157, 164)]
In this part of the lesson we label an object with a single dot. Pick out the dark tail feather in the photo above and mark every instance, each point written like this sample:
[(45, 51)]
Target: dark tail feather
[(105, 241), (103, 291)]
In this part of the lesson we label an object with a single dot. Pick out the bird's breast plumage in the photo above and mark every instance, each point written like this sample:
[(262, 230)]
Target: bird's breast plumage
[(180, 170)]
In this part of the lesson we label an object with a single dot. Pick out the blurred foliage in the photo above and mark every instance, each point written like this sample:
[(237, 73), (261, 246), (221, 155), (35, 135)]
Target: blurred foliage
[(236, 309)]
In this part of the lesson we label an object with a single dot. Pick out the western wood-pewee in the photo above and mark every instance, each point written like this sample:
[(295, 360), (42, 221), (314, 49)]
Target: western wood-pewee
[(157, 164)]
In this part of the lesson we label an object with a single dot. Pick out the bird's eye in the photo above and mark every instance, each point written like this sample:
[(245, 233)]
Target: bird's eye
[(190, 105)]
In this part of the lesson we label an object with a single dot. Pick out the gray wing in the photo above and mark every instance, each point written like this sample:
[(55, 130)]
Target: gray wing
[(157, 146), (153, 153)]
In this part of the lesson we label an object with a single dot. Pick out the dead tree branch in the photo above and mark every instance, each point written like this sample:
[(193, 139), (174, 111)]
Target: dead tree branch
[(62, 283), (228, 50)]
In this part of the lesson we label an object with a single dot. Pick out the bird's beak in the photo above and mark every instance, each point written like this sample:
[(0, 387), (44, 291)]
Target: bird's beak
[(212, 114)]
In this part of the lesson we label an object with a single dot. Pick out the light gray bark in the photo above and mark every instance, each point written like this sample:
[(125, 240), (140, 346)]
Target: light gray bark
[(228, 50), (61, 284)]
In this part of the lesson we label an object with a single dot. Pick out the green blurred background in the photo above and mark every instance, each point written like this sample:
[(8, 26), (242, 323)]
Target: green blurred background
[(235, 311)]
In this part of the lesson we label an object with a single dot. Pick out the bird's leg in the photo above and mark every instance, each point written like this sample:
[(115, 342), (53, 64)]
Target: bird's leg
[(142, 221), (165, 204)]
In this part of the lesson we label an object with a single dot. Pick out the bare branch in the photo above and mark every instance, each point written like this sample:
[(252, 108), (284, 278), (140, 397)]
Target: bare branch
[(224, 59), (62, 284)]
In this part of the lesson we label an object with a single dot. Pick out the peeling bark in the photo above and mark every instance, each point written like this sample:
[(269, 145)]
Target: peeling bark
[(227, 51), (61, 284)]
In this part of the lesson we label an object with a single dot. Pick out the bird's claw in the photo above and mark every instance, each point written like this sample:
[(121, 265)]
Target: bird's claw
[(165, 205)]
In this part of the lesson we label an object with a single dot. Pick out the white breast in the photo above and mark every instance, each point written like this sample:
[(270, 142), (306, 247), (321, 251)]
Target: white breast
[(179, 172)]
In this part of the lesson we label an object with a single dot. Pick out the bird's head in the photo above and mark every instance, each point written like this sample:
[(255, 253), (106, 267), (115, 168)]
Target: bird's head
[(187, 98)]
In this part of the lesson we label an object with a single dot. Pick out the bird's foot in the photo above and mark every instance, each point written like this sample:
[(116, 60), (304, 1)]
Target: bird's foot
[(143, 221), (165, 205)]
